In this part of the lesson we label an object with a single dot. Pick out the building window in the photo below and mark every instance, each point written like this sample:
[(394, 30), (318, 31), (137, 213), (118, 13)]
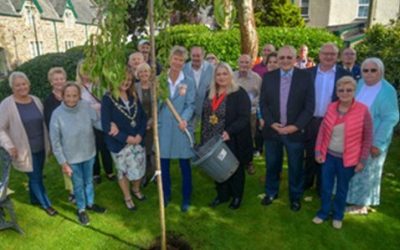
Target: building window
[(3, 64), (69, 44), (36, 48), (304, 4), (29, 14), (69, 19), (363, 8)]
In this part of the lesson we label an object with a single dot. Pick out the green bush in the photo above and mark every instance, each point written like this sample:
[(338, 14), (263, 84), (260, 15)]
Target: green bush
[(226, 44), (383, 42), (37, 68)]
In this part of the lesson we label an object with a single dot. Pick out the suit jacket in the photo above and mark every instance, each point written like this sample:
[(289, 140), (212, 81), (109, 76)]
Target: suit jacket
[(340, 72), (355, 71), (206, 76), (174, 143), (300, 105)]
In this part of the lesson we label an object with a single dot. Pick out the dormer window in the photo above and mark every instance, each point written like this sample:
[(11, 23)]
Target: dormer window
[(29, 12), (69, 18)]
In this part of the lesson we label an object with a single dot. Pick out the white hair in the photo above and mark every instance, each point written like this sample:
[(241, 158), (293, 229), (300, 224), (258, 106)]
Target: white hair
[(378, 62), (17, 74)]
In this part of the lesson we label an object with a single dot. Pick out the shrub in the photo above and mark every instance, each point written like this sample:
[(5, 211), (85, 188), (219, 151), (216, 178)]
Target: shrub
[(37, 68), (383, 42), (226, 44)]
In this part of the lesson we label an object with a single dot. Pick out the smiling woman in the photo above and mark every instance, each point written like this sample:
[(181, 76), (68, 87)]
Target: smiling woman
[(24, 136)]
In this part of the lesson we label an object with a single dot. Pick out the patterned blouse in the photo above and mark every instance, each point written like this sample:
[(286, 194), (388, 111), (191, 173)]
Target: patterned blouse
[(209, 130)]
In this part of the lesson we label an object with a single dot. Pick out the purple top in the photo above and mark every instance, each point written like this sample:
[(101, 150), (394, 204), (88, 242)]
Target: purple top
[(260, 69), (286, 82), (32, 119)]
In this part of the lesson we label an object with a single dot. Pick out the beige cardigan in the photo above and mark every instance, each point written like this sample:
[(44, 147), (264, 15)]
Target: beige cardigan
[(13, 134)]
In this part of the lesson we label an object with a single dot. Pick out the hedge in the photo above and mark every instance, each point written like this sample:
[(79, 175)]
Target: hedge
[(37, 68), (226, 44)]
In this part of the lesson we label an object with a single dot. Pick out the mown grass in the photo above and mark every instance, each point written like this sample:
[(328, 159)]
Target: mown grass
[(251, 227)]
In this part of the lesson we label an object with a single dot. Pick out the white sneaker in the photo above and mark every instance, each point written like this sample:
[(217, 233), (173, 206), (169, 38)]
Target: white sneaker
[(317, 220), (337, 224)]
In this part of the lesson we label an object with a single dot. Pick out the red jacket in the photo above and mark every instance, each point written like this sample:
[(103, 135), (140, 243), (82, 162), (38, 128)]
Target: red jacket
[(357, 133)]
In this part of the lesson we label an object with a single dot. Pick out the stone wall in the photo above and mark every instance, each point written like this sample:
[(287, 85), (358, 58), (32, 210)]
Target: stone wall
[(18, 34)]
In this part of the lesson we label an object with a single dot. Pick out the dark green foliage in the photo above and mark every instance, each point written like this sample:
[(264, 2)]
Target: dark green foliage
[(383, 42), (280, 13), (226, 44), (37, 68)]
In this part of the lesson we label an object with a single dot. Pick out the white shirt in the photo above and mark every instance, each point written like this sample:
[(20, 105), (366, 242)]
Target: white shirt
[(172, 85), (324, 85), (197, 75), (368, 94)]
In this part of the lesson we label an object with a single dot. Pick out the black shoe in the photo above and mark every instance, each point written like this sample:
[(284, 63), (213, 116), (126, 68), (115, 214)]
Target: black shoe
[(235, 204), (217, 201), (51, 211), (130, 205), (267, 200), (96, 179), (295, 206), (96, 208), (138, 195), (71, 198), (83, 218)]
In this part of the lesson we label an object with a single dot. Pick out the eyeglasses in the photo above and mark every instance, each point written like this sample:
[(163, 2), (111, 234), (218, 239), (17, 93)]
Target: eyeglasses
[(287, 57), (370, 70), (345, 90)]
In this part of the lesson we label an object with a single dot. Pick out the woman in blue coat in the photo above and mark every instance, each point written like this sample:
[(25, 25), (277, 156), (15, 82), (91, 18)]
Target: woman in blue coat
[(381, 98), (174, 143)]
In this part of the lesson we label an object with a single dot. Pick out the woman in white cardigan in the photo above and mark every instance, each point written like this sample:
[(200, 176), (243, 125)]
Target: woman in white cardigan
[(23, 134)]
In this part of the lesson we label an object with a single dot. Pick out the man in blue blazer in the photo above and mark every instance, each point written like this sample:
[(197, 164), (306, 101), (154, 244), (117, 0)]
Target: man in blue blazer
[(202, 73), (324, 77), (287, 106)]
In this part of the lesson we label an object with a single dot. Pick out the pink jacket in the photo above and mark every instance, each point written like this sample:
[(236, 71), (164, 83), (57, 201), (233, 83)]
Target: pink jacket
[(357, 133)]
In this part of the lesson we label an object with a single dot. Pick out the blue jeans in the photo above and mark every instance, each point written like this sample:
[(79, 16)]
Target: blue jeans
[(37, 191), (186, 173), (274, 161), (82, 181), (333, 167)]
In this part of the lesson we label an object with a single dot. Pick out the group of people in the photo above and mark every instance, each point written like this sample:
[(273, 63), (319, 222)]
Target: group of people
[(334, 129)]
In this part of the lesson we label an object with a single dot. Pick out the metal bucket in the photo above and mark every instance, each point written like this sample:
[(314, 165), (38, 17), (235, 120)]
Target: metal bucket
[(216, 159)]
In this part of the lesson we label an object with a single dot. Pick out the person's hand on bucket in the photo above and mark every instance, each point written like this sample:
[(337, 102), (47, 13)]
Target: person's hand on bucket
[(225, 136)]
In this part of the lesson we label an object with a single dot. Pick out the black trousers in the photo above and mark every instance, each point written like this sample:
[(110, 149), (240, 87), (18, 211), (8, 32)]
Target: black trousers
[(312, 169), (233, 187), (102, 151)]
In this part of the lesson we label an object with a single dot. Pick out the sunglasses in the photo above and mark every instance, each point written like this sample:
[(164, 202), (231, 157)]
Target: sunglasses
[(370, 70), (345, 90), (287, 57)]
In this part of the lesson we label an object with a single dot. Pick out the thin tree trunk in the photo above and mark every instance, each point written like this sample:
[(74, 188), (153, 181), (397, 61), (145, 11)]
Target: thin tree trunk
[(248, 32), (155, 126)]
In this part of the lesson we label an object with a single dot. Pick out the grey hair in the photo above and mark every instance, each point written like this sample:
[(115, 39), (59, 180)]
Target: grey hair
[(213, 86), (136, 53), (17, 74), (378, 62), (333, 45), (179, 51), (289, 47)]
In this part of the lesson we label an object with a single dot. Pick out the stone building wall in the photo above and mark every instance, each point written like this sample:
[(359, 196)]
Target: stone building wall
[(19, 35)]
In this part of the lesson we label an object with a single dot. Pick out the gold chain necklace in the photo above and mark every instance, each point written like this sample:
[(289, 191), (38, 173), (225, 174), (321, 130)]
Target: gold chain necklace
[(121, 108)]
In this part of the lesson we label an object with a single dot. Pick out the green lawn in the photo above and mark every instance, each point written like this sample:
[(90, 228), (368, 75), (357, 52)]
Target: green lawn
[(251, 227)]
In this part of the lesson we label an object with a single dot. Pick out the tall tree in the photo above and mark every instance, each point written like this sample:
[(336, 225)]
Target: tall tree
[(248, 32)]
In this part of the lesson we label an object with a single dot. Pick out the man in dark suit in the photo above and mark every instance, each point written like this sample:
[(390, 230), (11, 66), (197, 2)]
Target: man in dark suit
[(287, 106), (349, 58), (324, 77)]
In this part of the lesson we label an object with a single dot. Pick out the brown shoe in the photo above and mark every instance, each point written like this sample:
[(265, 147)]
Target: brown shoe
[(251, 169)]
